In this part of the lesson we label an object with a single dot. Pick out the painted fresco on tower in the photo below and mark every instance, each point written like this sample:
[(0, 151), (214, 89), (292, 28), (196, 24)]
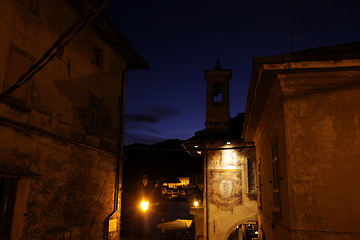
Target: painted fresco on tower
[(225, 159), (225, 188)]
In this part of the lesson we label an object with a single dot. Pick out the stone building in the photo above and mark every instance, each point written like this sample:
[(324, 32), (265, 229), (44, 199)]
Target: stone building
[(61, 133), (229, 201), (303, 116)]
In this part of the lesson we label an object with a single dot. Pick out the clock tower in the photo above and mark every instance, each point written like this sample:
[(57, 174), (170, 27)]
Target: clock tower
[(228, 204), (217, 99)]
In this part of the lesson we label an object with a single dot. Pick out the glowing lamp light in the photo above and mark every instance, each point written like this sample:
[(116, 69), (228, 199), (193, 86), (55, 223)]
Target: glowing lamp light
[(144, 205), (196, 203), (228, 143)]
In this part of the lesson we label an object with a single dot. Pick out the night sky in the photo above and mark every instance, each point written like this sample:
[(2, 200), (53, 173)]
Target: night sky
[(181, 39)]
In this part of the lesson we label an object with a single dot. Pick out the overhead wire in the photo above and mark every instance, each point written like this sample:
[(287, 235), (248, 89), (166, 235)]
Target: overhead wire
[(287, 60)]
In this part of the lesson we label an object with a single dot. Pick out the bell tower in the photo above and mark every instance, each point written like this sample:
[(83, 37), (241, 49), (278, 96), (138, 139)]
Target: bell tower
[(217, 99)]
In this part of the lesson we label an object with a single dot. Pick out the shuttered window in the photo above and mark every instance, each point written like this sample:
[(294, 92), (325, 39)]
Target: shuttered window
[(19, 63), (276, 176), (260, 184), (98, 57), (7, 197), (31, 5), (251, 175), (95, 114)]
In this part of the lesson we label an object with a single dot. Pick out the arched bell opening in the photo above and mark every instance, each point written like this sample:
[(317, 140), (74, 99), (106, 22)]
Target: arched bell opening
[(217, 92)]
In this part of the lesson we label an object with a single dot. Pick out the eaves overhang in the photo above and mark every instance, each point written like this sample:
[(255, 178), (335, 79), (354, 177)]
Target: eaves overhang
[(266, 70)]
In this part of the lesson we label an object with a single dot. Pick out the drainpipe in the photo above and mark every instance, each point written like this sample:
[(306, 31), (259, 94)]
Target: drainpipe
[(206, 193), (119, 161)]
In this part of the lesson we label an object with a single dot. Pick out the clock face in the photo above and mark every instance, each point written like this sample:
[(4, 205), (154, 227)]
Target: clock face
[(226, 188)]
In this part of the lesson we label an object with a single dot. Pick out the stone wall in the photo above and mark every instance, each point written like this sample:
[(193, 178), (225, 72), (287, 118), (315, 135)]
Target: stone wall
[(65, 171), (72, 190)]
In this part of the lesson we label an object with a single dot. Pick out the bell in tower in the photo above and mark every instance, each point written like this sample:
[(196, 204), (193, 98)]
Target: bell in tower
[(217, 99)]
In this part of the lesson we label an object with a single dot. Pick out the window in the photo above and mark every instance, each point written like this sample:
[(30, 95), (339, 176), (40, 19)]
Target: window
[(31, 5), (260, 184), (19, 62), (217, 92), (95, 114), (7, 201), (276, 176), (98, 57), (251, 175)]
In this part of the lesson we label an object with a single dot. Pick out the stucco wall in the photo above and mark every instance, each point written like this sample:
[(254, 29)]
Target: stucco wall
[(73, 189), (315, 118), (323, 133), (59, 95), (225, 213), (271, 128)]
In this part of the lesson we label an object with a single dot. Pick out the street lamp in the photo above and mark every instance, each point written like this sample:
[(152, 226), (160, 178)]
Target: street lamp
[(144, 205)]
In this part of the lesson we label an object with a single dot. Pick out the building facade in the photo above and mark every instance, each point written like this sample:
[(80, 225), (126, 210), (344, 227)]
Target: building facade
[(229, 192), (303, 116), (61, 133), (175, 188)]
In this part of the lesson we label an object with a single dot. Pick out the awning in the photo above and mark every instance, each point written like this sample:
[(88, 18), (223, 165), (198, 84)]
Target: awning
[(176, 224)]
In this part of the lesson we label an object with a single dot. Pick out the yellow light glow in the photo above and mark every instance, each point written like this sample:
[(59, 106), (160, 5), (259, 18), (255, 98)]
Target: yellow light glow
[(144, 205), (231, 158), (196, 203)]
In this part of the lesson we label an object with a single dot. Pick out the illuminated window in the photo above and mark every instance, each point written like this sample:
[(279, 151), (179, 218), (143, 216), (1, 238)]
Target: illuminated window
[(251, 175), (260, 184), (98, 57), (95, 114), (31, 5), (7, 198), (217, 92), (276, 176)]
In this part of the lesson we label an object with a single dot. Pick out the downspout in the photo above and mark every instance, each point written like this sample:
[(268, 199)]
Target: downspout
[(119, 161), (206, 194)]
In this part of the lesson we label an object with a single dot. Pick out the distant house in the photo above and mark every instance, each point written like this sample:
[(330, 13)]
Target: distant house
[(175, 188), (303, 114), (61, 133)]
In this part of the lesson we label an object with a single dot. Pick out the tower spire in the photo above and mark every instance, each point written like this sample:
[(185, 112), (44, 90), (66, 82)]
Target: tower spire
[(218, 66)]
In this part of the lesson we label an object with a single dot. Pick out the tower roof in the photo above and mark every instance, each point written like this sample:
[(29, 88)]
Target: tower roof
[(218, 66)]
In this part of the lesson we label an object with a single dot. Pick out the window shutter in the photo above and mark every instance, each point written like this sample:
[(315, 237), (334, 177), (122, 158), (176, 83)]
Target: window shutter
[(8, 191), (276, 177)]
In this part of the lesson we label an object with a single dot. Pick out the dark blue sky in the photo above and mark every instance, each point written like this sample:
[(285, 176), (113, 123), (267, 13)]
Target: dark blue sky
[(181, 39)]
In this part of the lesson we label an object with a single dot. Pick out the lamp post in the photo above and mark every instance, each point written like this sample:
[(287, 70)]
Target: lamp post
[(144, 206)]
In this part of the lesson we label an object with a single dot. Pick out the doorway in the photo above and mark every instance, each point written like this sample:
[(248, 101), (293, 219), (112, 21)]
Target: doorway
[(246, 231)]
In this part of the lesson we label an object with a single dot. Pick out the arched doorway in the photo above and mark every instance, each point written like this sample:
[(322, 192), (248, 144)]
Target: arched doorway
[(246, 231)]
